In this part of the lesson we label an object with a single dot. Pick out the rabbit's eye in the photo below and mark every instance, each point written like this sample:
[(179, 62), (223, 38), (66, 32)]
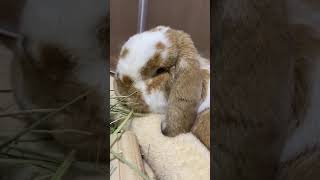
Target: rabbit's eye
[(160, 71)]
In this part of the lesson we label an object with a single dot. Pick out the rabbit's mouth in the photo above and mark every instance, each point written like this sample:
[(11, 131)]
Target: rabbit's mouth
[(133, 99)]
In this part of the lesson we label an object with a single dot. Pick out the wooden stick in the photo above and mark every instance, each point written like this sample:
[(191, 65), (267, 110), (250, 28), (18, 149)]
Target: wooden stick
[(130, 164)]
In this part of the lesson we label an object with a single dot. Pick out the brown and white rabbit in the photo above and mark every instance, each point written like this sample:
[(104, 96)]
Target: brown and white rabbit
[(266, 89), (179, 157), (162, 72), (62, 55)]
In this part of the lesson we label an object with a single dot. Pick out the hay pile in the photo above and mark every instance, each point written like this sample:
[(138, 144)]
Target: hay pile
[(32, 149)]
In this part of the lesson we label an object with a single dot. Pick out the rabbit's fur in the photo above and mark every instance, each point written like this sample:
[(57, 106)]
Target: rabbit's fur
[(180, 157), (63, 55), (163, 72), (266, 93)]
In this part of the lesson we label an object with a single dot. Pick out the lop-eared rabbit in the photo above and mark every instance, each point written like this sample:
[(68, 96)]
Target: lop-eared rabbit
[(61, 55), (163, 73), (266, 89)]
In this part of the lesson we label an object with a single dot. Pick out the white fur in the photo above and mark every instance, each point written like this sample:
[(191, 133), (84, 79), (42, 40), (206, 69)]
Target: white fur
[(141, 47), (155, 100), (205, 104), (183, 64), (171, 158)]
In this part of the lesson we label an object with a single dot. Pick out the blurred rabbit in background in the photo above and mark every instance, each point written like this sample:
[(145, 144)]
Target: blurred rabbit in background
[(266, 89), (60, 55)]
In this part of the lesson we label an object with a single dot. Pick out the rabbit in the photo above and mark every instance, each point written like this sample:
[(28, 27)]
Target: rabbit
[(63, 54), (32, 142), (162, 72), (60, 54), (168, 157), (266, 66)]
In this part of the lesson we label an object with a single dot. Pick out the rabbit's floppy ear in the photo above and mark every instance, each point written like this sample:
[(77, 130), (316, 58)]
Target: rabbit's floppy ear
[(185, 92)]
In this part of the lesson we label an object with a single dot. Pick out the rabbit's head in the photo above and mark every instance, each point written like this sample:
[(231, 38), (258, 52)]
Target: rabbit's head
[(144, 71), (160, 71)]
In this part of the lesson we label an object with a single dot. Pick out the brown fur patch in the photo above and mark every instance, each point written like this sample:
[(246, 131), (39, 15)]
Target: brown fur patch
[(201, 128), (127, 80), (55, 61), (185, 91), (205, 79), (158, 82), (153, 63), (124, 53), (252, 92), (135, 100), (182, 47), (44, 92), (160, 46)]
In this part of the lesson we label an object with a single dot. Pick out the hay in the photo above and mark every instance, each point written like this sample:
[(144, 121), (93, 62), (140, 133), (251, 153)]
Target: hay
[(49, 166), (120, 120)]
